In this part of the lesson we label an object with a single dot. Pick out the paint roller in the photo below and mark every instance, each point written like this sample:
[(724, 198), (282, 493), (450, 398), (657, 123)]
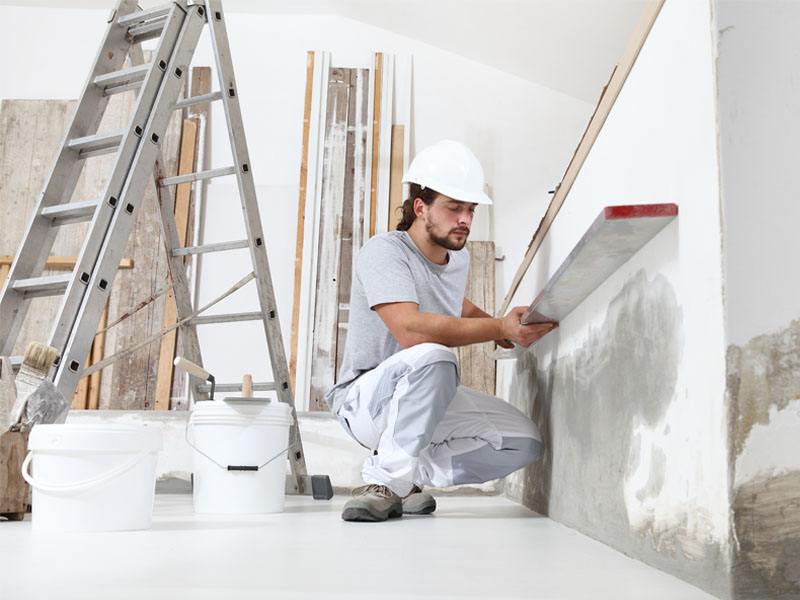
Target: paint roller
[(196, 370)]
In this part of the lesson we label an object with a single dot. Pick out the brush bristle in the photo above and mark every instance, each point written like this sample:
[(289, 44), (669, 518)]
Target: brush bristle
[(39, 356)]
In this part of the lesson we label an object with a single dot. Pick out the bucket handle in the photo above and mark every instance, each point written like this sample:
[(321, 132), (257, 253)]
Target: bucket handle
[(63, 488), (238, 467)]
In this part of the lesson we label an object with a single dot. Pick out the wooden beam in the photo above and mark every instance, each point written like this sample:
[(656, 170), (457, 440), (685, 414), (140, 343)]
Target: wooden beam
[(396, 175), (376, 128), (598, 119), (183, 196), (60, 263), (301, 217)]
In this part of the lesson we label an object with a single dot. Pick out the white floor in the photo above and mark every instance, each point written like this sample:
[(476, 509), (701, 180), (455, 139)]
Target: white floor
[(473, 547)]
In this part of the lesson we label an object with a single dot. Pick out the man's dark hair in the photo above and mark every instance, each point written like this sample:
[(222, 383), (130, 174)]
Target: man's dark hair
[(427, 195)]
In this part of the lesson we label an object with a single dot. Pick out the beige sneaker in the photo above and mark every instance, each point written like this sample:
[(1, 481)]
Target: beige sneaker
[(418, 502), (371, 503)]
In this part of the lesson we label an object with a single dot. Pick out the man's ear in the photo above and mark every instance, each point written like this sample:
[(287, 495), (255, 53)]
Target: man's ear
[(418, 206)]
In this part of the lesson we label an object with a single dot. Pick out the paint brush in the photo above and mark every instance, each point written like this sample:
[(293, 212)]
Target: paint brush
[(33, 371)]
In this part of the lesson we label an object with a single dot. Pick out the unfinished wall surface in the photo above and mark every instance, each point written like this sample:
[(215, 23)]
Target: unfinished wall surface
[(759, 95), (629, 391)]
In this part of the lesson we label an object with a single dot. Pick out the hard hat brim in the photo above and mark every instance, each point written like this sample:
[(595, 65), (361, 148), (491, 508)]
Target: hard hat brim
[(476, 197)]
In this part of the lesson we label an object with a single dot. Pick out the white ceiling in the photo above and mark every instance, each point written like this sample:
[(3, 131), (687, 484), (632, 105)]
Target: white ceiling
[(566, 45)]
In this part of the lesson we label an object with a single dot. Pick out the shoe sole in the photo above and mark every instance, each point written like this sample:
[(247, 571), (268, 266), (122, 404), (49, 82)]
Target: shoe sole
[(425, 508), (360, 514)]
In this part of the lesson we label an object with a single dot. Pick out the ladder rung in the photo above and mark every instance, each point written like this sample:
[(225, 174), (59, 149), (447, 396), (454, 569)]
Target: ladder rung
[(146, 31), (95, 145), (189, 177), (195, 100), (74, 212), (221, 247), (125, 78), (48, 285), (263, 386), (227, 318), (145, 15)]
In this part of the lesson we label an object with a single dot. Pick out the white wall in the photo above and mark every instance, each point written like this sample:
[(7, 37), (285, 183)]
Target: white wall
[(759, 93), (523, 133), (601, 370)]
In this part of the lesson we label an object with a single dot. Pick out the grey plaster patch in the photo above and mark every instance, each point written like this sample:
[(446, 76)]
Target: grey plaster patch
[(587, 404), (763, 373), (767, 525)]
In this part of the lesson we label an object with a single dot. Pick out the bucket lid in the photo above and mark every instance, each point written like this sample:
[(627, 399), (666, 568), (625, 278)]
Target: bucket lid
[(96, 437), (248, 409)]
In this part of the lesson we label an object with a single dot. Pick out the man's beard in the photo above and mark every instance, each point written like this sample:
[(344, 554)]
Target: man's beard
[(445, 242)]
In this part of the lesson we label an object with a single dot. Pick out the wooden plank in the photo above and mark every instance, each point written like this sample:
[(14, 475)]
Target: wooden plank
[(183, 196), (96, 355), (323, 362), (396, 176), (30, 135), (345, 238), (301, 217), (62, 262), (376, 128), (477, 366), (133, 379), (14, 491), (593, 129), (613, 238)]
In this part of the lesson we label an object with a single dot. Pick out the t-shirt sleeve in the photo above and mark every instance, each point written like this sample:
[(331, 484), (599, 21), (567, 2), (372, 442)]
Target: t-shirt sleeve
[(385, 274)]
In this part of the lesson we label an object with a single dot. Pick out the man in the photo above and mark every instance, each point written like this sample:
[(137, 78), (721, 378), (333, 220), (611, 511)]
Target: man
[(398, 392)]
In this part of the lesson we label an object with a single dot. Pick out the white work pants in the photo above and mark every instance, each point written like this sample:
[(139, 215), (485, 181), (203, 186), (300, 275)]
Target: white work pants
[(426, 429)]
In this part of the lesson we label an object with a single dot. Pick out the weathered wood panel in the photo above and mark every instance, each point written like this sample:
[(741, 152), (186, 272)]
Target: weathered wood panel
[(329, 249), (477, 365), (133, 384)]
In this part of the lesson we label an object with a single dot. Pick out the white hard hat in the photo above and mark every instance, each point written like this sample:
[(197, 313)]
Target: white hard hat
[(451, 169)]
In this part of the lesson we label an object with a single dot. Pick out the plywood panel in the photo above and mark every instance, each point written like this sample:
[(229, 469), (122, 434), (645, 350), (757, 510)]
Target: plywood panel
[(476, 363)]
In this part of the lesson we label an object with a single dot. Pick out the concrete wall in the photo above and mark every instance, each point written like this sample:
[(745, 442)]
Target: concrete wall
[(759, 95), (629, 391)]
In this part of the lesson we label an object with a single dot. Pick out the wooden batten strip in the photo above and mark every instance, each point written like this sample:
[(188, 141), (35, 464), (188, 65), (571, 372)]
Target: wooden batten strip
[(301, 217), (183, 197), (592, 132), (396, 175), (376, 128)]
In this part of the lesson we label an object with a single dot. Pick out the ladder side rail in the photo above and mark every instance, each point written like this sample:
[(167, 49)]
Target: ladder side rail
[(85, 324), (110, 201), (255, 234), (38, 239)]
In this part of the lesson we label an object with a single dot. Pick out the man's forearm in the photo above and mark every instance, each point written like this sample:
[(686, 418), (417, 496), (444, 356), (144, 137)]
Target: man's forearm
[(453, 331)]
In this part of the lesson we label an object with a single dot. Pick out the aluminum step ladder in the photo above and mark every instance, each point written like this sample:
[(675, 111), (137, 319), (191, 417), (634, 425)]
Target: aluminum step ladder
[(177, 26)]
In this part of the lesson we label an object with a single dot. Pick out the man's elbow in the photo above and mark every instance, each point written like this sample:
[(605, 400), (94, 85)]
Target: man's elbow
[(408, 338)]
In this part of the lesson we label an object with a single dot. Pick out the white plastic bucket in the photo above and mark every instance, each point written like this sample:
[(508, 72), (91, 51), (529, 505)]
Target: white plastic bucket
[(92, 477), (239, 449)]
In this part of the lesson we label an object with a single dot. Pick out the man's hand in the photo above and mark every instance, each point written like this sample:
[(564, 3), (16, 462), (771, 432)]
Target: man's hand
[(524, 335)]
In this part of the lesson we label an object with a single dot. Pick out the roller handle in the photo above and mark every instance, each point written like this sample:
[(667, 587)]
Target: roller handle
[(196, 371)]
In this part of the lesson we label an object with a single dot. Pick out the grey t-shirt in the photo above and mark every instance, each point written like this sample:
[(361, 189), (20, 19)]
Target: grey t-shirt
[(390, 268)]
